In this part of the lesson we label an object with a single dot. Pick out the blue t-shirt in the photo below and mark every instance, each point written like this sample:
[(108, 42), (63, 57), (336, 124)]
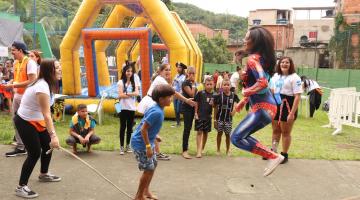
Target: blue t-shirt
[(154, 117)]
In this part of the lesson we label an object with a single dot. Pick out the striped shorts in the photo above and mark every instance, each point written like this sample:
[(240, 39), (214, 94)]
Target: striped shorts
[(225, 127)]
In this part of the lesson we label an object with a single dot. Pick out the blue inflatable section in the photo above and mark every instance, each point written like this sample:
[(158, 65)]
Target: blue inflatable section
[(111, 91)]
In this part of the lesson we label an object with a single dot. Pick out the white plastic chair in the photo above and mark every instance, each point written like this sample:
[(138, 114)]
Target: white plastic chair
[(97, 109)]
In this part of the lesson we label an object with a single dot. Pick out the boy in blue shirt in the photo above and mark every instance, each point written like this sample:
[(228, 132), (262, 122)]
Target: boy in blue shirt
[(142, 141), (82, 129)]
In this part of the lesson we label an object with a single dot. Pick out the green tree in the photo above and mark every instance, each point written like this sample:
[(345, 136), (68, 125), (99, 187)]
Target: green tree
[(235, 24), (214, 50), (168, 4)]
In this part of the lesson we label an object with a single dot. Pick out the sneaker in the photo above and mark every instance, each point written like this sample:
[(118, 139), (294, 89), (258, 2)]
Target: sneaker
[(128, 149), (16, 152), (272, 164), (161, 156), (25, 192), (121, 150), (49, 178), (285, 158)]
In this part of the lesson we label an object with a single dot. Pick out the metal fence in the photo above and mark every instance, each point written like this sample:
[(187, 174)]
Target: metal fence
[(333, 78), (327, 78)]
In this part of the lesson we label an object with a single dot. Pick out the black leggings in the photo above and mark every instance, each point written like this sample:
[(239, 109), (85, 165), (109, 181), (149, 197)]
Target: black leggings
[(36, 144), (315, 101), (188, 121), (126, 121)]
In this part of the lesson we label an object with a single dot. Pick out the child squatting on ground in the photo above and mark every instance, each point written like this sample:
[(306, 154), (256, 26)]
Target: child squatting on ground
[(203, 112), (143, 139), (82, 129)]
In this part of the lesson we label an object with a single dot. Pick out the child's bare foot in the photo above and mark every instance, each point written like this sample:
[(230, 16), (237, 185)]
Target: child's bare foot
[(140, 198), (198, 155), (186, 155), (74, 150), (88, 148), (228, 153), (151, 196)]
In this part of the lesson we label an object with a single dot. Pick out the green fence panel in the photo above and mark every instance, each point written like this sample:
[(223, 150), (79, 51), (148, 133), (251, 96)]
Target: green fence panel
[(211, 67), (354, 80), (333, 78)]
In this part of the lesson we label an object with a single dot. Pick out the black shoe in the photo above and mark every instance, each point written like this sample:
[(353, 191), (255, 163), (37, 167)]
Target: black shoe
[(16, 152), (285, 158)]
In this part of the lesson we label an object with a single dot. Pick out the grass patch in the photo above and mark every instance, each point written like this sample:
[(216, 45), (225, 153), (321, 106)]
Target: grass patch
[(309, 139)]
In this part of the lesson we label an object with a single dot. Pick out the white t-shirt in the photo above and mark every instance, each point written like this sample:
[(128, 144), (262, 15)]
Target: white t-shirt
[(127, 103), (147, 102), (159, 80), (30, 109), (234, 79), (287, 85), (31, 68), (137, 80), (311, 85)]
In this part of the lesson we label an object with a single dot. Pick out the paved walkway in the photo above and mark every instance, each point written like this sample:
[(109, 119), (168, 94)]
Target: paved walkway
[(209, 178)]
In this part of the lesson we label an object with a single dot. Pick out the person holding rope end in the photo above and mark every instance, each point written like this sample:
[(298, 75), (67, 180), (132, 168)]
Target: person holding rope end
[(286, 86), (255, 76), (314, 91), (35, 126)]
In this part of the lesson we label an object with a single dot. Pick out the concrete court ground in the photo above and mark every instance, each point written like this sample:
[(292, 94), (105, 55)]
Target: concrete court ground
[(208, 178)]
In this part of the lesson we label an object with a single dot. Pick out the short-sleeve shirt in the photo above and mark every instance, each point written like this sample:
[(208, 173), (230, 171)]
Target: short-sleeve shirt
[(286, 84), (205, 102), (32, 67), (154, 117), (127, 103), (185, 106), (311, 85), (225, 105), (178, 81), (234, 79), (30, 109), (159, 80), (137, 80)]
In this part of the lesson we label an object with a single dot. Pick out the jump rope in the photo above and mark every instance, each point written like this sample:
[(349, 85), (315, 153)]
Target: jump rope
[(93, 169)]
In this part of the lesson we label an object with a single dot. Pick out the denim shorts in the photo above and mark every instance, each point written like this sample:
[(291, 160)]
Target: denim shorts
[(145, 163)]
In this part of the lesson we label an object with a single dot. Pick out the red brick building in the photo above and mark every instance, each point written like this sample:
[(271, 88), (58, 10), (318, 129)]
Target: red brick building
[(350, 9), (197, 29), (278, 22)]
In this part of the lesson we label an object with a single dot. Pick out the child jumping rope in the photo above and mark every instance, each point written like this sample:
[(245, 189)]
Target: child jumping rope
[(143, 139)]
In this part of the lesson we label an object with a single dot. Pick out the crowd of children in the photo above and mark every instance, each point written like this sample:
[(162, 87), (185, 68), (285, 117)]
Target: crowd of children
[(215, 105)]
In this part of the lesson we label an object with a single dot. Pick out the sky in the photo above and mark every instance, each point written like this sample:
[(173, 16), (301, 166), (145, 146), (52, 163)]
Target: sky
[(242, 7)]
